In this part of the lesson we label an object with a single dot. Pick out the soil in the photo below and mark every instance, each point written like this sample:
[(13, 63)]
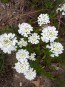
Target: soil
[(13, 13)]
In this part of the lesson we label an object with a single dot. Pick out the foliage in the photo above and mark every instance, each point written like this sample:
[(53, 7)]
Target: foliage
[(40, 70), (2, 63), (5, 1)]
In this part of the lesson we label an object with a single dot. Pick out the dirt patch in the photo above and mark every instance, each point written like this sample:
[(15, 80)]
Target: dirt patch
[(6, 80), (9, 13)]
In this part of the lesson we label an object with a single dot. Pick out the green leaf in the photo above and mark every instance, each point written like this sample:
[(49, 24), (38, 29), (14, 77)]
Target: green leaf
[(40, 70)]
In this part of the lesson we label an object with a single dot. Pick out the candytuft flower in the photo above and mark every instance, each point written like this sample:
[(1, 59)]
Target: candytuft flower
[(43, 19), (34, 38), (56, 48), (21, 67), (22, 55), (61, 8), (30, 74), (49, 34), (32, 56), (25, 29), (22, 43), (8, 42)]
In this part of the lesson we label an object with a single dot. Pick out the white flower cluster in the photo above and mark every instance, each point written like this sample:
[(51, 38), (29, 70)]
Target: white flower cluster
[(22, 43), (43, 19), (22, 66), (25, 29), (56, 48), (34, 38), (32, 56), (30, 74), (8, 42), (22, 55), (61, 9), (49, 34)]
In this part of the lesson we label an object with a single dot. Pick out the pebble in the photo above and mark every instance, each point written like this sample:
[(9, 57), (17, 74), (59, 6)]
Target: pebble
[(20, 84)]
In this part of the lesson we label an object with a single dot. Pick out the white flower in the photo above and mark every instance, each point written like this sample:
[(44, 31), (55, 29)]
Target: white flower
[(34, 38), (8, 42), (25, 29), (22, 55), (61, 9), (22, 42), (49, 34), (56, 48), (21, 67), (32, 56), (43, 19), (30, 74)]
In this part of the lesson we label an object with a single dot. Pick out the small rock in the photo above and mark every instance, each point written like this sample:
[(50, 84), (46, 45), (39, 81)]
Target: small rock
[(16, 76), (20, 84)]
